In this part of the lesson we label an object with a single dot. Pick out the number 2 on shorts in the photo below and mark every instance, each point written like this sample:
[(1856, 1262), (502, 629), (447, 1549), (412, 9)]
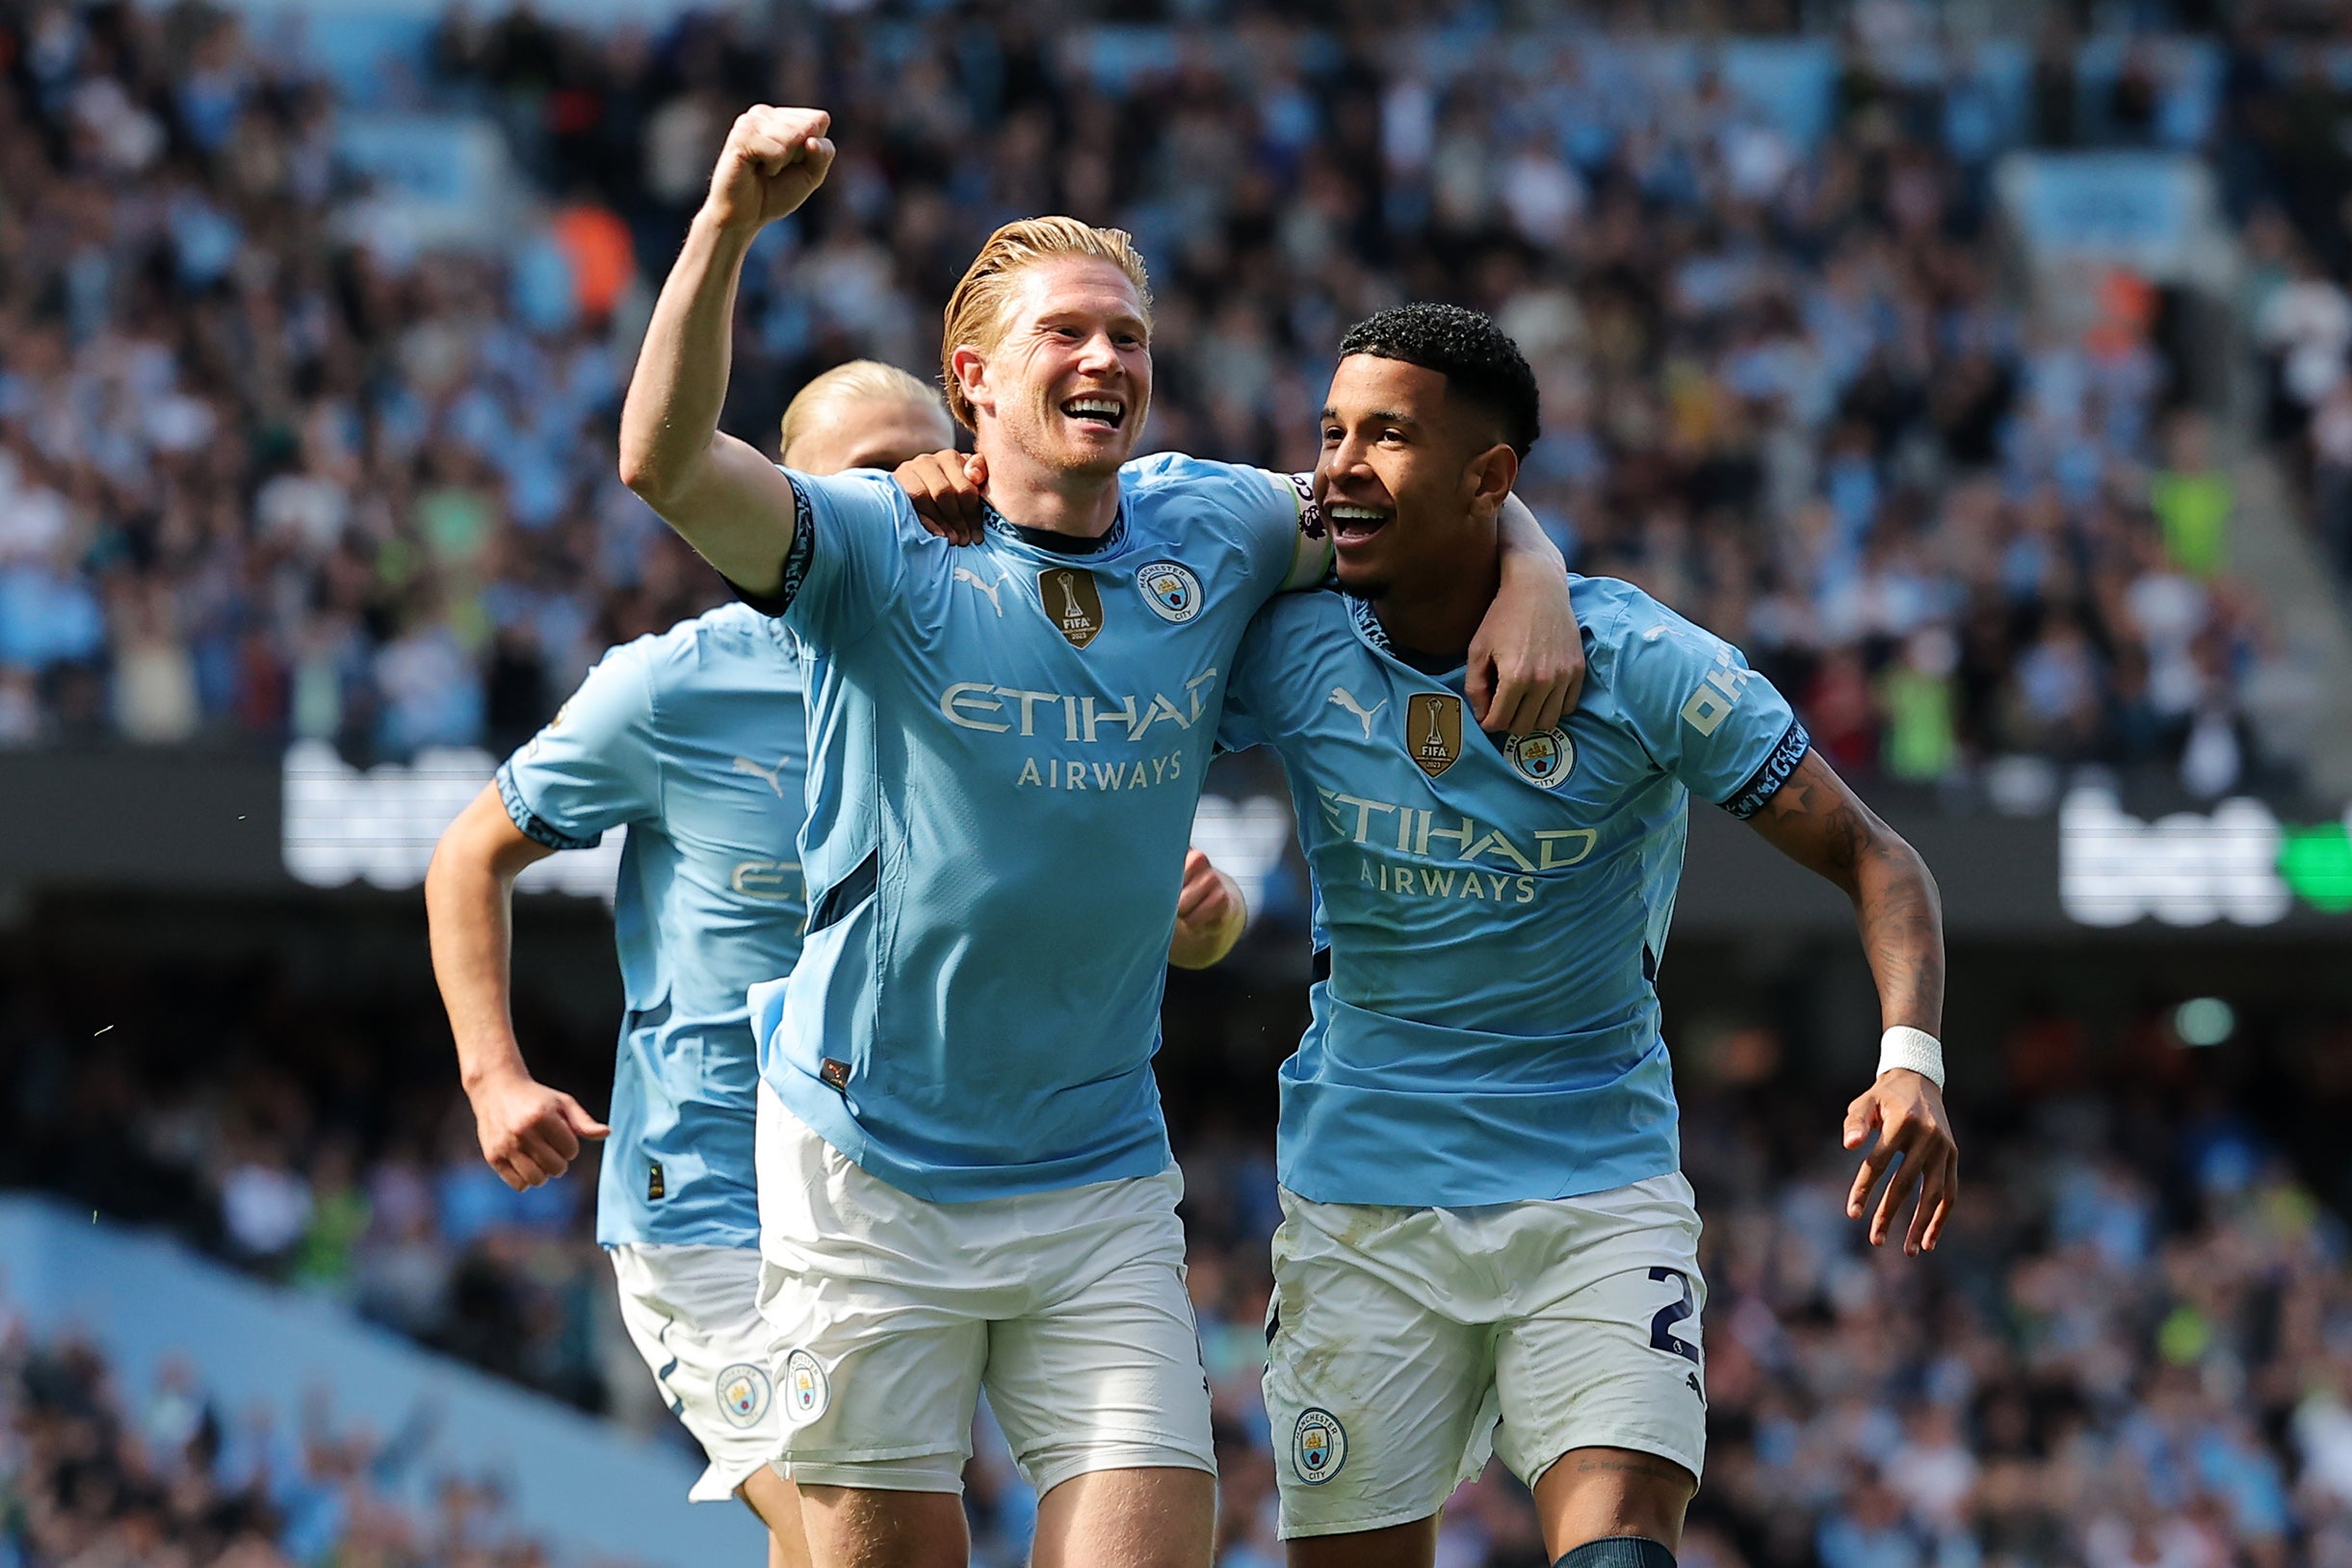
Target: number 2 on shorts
[(1661, 1326)]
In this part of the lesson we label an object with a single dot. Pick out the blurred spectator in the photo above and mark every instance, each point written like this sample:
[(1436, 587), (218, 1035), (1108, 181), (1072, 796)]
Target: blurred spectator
[(2192, 497)]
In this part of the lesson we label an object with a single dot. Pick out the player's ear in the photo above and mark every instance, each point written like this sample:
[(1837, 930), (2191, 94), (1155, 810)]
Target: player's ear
[(1490, 476), (971, 370)]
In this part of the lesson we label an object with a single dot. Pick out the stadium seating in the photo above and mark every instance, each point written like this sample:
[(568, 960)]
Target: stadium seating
[(293, 444)]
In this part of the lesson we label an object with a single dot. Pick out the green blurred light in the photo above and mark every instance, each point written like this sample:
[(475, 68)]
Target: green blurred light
[(2207, 1020), (2316, 862)]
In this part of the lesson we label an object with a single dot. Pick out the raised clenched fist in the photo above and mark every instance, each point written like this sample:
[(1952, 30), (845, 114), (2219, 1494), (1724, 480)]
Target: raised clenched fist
[(772, 160)]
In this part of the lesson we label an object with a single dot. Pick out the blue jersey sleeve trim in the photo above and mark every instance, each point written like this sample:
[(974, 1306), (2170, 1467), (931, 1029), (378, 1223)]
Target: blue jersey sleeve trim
[(529, 822), (796, 558), (1764, 783)]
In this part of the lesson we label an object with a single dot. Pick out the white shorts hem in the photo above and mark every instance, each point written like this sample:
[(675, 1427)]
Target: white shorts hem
[(718, 1482), (1122, 1456), (1290, 1532), (868, 1456), (874, 1475)]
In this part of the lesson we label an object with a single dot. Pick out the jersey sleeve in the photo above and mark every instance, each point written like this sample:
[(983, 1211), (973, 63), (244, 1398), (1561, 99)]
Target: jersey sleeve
[(596, 765), (1273, 516), (1704, 715), (846, 565), (1309, 542)]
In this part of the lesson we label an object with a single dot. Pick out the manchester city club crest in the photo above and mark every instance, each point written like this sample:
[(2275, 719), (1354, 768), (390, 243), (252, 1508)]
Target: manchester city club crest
[(1170, 590), (743, 1394), (1318, 1445), (1544, 759), (806, 1392)]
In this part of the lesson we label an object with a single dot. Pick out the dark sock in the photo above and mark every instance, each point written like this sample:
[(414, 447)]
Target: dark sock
[(1618, 1552)]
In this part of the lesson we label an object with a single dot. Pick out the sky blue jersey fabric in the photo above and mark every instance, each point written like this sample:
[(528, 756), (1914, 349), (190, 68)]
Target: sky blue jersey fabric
[(695, 740), (1492, 915), (1007, 744)]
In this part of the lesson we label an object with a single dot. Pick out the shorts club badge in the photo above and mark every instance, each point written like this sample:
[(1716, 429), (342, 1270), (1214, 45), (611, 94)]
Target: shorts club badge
[(806, 1391), (1319, 1446), (743, 1394)]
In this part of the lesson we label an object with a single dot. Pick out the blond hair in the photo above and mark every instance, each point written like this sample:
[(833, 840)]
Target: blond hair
[(858, 380), (976, 310)]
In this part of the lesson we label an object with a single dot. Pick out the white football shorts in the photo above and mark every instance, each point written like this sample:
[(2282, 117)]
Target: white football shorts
[(888, 1314), (1404, 1346), (693, 1312)]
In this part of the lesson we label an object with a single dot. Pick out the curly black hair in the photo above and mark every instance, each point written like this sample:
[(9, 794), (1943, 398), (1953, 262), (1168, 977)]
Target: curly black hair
[(1477, 357)]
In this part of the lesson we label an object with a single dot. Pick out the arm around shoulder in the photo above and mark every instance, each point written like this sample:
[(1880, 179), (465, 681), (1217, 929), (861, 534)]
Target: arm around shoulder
[(1527, 661)]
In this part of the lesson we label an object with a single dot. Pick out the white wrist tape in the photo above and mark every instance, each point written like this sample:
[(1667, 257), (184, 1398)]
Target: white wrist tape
[(1903, 1046)]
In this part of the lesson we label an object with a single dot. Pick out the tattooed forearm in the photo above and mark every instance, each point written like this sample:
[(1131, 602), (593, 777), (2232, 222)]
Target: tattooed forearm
[(1902, 932), (1816, 820)]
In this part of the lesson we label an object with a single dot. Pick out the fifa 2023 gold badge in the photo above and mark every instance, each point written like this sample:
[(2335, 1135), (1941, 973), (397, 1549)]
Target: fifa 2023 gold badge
[(1072, 602), (1433, 730)]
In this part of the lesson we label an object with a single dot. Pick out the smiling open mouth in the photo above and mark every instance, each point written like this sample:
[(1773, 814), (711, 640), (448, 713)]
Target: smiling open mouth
[(1108, 410), (1350, 523)]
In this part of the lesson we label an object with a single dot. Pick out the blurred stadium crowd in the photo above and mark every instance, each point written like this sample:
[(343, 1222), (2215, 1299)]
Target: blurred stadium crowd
[(267, 471), (93, 1475), (2134, 1350)]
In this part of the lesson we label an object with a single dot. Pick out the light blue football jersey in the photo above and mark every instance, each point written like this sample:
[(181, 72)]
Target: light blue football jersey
[(695, 740), (1007, 744), (1492, 915)]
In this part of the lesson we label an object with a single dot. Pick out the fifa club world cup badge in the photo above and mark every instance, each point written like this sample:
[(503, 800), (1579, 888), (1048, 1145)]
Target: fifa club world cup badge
[(1433, 730), (806, 1392), (743, 1394), (1072, 603), (1318, 1445), (1544, 759), (1170, 590)]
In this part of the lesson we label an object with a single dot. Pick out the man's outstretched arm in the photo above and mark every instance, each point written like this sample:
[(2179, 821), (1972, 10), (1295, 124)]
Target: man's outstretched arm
[(725, 499), (529, 1133), (1818, 822)]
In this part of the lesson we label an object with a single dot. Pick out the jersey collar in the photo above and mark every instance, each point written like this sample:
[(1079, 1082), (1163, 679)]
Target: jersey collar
[(1367, 627), (1058, 544)]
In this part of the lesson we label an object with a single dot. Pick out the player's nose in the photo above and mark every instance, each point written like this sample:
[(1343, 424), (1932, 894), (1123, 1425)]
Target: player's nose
[(1099, 356), (1350, 456)]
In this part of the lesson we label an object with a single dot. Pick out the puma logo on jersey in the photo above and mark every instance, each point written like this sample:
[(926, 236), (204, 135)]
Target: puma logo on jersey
[(965, 574), (1342, 698), (773, 775)]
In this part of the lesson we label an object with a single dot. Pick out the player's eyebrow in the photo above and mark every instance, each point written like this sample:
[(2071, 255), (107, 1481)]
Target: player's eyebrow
[(1377, 417), (1117, 321)]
